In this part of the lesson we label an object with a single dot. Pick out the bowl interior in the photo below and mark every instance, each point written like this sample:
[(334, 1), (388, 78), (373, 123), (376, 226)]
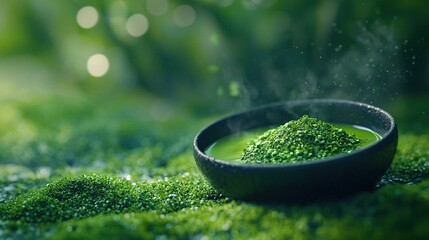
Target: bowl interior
[(332, 111)]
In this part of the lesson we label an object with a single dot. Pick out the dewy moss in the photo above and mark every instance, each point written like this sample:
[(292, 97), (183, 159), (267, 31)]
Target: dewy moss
[(300, 140)]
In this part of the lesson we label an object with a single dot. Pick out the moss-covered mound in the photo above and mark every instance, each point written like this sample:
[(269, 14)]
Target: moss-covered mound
[(87, 196)]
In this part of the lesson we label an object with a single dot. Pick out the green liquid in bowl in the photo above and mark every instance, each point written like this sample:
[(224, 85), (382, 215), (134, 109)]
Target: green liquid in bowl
[(231, 147)]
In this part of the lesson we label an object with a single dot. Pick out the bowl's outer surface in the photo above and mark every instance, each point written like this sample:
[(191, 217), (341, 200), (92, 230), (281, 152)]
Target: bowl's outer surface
[(328, 178)]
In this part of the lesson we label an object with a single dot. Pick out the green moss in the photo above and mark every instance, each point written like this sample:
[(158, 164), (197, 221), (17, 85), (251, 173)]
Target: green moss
[(90, 132), (411, 163), (373, 215), (297, 141), (92, 195), (89, 167)]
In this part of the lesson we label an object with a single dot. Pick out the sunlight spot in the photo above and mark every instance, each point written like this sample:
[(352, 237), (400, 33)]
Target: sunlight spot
[(213, 68), (234, 89), (137, 25), (97, 65), (87, 17), (214, 39), (44, 172), (126, 177), (157, 7), (184, 16)]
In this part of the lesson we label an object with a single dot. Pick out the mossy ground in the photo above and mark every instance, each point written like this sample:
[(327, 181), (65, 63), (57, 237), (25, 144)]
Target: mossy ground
[(85, 166)]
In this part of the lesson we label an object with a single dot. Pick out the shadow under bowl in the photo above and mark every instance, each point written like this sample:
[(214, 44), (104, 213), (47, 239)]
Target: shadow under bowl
[(326, 178)]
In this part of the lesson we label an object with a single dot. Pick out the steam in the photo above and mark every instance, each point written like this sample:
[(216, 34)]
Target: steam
[(368, 69)]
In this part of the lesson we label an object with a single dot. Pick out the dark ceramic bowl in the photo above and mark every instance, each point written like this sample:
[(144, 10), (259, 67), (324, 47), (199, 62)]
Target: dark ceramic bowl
[(326, 178)]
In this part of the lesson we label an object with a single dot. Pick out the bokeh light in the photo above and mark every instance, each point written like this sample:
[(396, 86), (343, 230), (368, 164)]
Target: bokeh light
[(97, 65), (137, 25), (87, 17), (118, 13), (157, 7), (184, 15)]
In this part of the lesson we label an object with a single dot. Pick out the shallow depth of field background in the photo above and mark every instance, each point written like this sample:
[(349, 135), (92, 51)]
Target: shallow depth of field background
[(217, 56), (100, 102)]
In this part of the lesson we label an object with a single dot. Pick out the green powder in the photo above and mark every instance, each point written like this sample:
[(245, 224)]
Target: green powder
[(300, 140)]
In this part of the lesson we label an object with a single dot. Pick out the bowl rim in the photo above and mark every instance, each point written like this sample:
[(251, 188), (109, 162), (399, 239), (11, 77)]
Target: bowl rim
[(315, 162)]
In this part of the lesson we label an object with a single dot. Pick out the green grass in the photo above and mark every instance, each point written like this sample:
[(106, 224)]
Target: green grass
[(82, 166)]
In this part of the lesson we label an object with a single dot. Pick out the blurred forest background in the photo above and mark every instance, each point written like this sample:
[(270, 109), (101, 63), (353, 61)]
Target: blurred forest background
[(210, 56)]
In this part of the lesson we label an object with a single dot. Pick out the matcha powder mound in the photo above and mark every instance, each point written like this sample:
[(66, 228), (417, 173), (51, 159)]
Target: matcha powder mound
[(300, 140)]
